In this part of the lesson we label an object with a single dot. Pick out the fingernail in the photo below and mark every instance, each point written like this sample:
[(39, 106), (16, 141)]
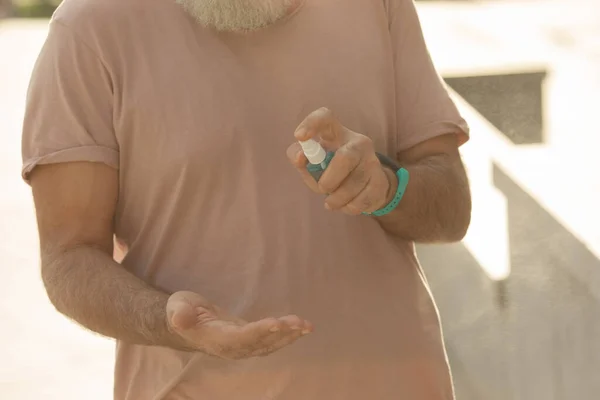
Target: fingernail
[(306, 331), (274, 329), (327, 207)]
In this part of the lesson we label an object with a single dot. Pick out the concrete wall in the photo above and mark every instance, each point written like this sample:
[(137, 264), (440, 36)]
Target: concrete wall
[(531, 336), (520, 297)]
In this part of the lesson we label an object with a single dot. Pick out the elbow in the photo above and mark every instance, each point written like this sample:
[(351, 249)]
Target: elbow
[(50, 282), (459, 230), (461, 220), (54, 273)]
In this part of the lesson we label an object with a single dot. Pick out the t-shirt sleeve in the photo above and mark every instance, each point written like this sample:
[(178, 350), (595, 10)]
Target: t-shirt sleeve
[(424, 107), (69, 106)]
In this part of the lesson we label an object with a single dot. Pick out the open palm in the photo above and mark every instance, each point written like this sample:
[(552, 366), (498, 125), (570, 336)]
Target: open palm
[(209, 329)]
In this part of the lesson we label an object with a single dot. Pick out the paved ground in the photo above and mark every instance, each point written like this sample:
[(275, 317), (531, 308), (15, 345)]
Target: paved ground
[(46, 357)]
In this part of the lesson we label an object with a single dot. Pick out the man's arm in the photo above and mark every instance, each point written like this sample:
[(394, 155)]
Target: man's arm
[(75, 204), (70, 158), (437, 204)]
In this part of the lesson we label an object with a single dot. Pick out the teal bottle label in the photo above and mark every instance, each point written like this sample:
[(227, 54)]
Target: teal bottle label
[(316, 170)]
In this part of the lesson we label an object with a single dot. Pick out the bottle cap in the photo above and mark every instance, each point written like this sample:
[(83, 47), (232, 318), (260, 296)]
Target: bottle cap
[(314, 152)]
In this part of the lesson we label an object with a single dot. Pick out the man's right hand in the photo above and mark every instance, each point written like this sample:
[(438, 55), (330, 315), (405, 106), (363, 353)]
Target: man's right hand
[(211, 330)]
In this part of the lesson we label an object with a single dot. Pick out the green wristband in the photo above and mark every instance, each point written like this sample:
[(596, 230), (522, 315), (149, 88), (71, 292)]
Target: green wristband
[(403, 177)]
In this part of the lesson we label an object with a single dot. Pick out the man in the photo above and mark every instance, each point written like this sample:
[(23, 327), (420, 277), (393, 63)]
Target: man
[(5, 8), (167, 126)]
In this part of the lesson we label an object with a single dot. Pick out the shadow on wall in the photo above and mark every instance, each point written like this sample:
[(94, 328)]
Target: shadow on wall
[(511, 102), (533, 336)]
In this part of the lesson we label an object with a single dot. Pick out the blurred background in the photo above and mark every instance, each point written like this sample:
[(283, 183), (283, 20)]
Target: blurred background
[(519, 297)]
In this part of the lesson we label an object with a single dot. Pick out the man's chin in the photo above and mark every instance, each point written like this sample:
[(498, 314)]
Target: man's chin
[(238, 15)]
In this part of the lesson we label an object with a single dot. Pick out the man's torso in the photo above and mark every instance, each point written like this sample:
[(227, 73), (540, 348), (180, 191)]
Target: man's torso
[(209, 203)]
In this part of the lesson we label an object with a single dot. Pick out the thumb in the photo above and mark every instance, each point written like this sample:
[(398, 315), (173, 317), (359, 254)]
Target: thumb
[(181, 309)]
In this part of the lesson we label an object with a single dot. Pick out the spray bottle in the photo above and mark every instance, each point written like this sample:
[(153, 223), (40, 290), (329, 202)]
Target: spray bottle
[(318, 158)]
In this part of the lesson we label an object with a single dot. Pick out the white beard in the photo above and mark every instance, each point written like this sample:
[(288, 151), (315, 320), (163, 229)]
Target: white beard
[(237, 15)]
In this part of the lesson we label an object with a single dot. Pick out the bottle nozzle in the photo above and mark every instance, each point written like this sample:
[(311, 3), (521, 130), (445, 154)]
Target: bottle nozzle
[(314, 152)]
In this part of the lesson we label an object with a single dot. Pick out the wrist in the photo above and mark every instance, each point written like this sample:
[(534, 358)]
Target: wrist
[(157, 327), (392, 185), (397, 186)]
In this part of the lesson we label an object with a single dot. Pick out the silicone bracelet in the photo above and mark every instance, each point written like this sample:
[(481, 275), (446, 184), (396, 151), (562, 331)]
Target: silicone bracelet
[(403, 178)]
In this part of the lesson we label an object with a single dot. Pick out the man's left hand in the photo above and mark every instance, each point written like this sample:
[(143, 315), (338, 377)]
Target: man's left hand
[(355, 180)]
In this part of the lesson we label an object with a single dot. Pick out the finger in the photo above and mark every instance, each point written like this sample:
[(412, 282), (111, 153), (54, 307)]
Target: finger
[(228, 340), (253, 339), (297, 158), (321, 123), (277, 345), (297, 328), (350, 188), (247, 336), (345, 160), (372, 198), (308, 327), (295, 155), (292, 322), (278, 329)]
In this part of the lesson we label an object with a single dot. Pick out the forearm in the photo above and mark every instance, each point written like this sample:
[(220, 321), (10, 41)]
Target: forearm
[(88, 286), (436, 206)]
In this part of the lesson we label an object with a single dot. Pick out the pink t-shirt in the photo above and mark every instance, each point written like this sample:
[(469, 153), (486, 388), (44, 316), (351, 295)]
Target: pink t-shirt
[(198, 122)]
